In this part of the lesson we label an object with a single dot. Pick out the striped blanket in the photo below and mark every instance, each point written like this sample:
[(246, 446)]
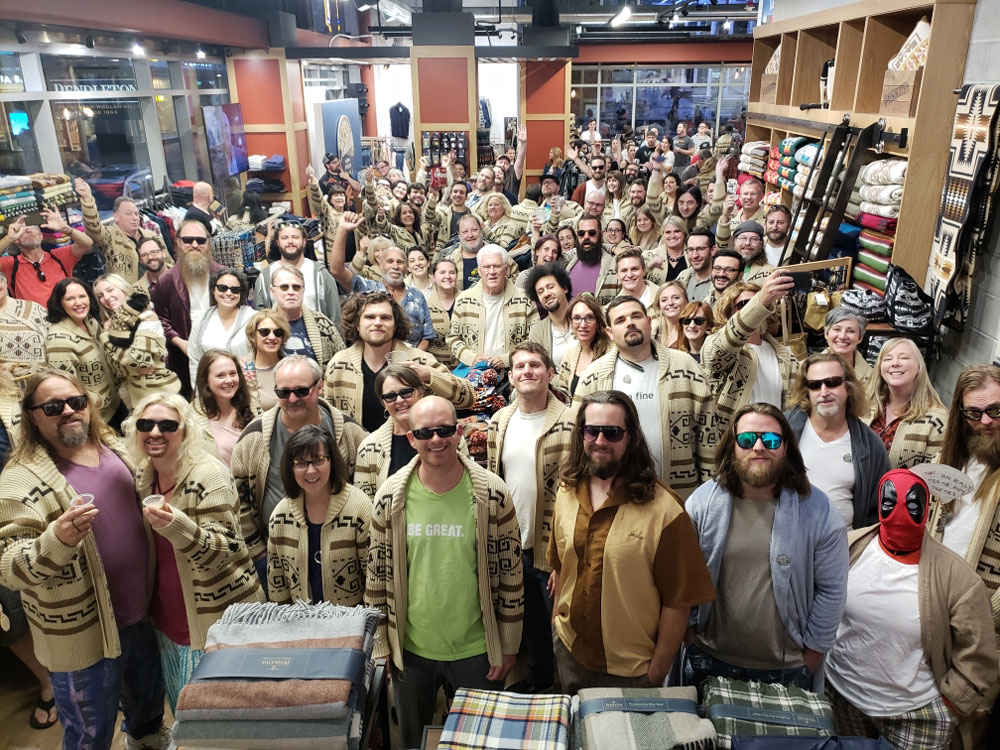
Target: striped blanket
[(789, 146), (876, 242), (640, 719)]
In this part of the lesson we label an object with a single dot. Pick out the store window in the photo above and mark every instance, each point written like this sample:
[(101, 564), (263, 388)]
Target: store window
[(205, 76), (616, 109), (173, 152), (18, 146), (11, 80), (160, 70), (103, 141), (583, 103), (74, 73)]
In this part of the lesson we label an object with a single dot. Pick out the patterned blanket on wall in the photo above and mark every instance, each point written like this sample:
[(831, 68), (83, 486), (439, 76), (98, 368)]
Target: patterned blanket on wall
[(964, 213)]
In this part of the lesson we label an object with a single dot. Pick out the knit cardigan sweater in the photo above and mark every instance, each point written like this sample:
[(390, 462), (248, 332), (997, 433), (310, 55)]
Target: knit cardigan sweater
[(468, 321), (731, 366), (323, 335), (441, 321), (687, 415), (608, 286), (498, 563), (343, 549), (120, 250), (956, 629), (918, 441), (345, 382), (63, 589), (23, 330), (213, 563), (70, 350), (142, 365), (252, 458), (551, 451)]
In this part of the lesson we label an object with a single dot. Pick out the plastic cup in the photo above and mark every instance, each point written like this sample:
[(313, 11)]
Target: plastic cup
[(153, 501), (395, 358), (83, 499)]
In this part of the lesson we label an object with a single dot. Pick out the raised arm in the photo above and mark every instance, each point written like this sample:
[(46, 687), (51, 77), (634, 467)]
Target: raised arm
[(522, 151), (349, 221), (82, 243)]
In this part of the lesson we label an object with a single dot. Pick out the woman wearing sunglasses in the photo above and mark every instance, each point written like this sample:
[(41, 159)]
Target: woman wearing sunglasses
[(318, 533), (223, 399), (587, 322), (74, 345), (907, 412), (696, 321), (223, 324), (202, 562), (266, 334)]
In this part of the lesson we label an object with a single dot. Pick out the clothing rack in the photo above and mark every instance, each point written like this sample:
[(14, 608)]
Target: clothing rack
[(235, 248)]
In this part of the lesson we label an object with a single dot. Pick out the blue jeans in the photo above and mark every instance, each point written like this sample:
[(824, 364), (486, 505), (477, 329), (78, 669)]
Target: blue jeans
[(699, 666), (88, 699), (537, 631)]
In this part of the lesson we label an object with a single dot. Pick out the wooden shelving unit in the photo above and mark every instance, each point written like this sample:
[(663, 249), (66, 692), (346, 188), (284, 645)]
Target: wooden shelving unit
[(863, 37)]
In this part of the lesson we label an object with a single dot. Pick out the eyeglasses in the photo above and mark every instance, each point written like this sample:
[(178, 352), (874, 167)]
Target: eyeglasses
[(165, 425), (740, 304), (293, 287), (614, 230), (55, 408), (836, 382), (612, 433), (276, 332), (727, 271), (302, 391), (748, 239), (583, 319), (698, 321), (973, 414), (38, 269), (588, 232), (223, 288), (390, 398), (304, 463), (442, 431), (194, 240), (747, 440)]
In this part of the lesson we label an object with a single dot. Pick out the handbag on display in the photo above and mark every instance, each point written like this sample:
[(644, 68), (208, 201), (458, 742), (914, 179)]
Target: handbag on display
[(909, 308), (809, 743), (866, 302), (795, 342), (818, 304)]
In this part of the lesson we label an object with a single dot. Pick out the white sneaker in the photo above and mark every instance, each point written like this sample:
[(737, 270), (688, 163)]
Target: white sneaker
[(158, 740)]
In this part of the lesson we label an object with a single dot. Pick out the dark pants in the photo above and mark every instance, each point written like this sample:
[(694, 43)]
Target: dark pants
[(699, 666), (120, 415), (573, 676), (414, 689), (88, 699), (537, 631), (261, 567)]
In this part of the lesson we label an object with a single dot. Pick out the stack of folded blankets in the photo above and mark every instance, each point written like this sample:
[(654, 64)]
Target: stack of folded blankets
[(262, 163), (753, 158), (787, 165), (642, 719), (774, 161), (880, 189), (506, 721), (772, 198), (874, 207), (874, 256), (280, 676), (52, 240), (258, 185), (53, 189), (17, 196), (755, 709)]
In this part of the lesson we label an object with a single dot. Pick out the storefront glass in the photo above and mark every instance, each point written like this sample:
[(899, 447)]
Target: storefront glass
[(75, 73), (205, 75), (11, 81), (18, 147)]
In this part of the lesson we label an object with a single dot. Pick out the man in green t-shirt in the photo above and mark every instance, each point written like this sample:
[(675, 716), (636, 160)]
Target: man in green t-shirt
[(454, 605)]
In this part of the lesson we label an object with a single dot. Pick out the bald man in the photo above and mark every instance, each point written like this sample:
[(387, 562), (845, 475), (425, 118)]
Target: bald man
[(200, 206), (448, 545)]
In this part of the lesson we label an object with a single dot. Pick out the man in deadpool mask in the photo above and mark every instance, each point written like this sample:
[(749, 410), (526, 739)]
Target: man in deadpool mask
[(904, 505)]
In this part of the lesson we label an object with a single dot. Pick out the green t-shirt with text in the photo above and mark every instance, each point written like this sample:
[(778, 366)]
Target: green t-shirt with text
[(444, 621)]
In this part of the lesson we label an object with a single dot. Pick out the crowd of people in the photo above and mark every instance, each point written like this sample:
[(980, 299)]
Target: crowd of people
[(667, 494)]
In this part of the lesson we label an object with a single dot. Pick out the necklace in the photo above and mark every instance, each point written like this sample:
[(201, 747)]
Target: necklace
[(166, 491)]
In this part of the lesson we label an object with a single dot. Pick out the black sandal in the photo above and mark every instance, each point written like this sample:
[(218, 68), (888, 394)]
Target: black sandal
[(46, 706)]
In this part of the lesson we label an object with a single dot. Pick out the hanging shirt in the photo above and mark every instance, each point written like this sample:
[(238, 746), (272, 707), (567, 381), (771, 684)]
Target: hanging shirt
[(641, 382), (767, 386), (518, 462), (831, 469)]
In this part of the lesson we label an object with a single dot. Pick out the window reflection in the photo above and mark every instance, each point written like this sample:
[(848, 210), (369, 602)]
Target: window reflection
[(18, 147)]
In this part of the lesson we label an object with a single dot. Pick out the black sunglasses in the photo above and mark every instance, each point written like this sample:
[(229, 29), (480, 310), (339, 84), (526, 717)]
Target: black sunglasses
[(56, 407), (194, 240), (975, 415), (302, 391), (165, 425), (834, 382), (390, 398), (742, 303), (442, 431), (277, 332), (38, 269), (223, 288), (587, 232), (612, 433), (698, 321)]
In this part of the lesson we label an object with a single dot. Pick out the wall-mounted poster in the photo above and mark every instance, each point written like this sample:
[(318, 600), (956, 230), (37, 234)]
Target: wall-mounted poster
[(341, 124), (227, 142)]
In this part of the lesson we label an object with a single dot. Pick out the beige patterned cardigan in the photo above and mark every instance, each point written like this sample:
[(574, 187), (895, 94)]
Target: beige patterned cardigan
[(120, 251), (687, 414), (84, 356), (442, 324), (498, 563), (918, 441), (323, 335), (468, 321)]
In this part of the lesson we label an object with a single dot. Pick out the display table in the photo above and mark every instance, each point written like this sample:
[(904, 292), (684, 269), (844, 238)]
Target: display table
[(432, 736)]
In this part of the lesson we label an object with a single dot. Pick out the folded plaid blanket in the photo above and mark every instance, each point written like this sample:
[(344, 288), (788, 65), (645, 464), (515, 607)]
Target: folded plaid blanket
[(771, 176), (787, 172), (879, 223), (807, 155), (773, 163), (786, 183), (628, 718), (884, 172), (14, 181), (886, 194), (41, 179), (752, 161), (738, 708), (876, 242), (506, 721), (774, 197), (869, 276), (800, 179), (775, 152), (880, 209), (789, 146), (759, 149)]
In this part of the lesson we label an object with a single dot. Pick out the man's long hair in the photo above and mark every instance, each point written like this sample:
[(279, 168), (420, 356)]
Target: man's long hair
[(857, 404), (794, 478), (637, 471), (955, 451)]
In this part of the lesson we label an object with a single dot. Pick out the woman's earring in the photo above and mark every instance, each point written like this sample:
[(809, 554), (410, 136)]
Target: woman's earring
[(386, 412)]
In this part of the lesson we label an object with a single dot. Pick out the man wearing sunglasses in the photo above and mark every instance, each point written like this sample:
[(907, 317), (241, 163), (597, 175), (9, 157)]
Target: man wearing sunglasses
[(256, 461), (777, 552), (119, 240), (84, 572), (445, 549), (843, 456), (593, 268), (33, 272), (181, 295), (312, 333), (676, 411), (620, 542)]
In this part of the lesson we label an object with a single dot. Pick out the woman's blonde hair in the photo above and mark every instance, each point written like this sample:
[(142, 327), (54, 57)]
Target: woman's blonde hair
[(193, 443), (116, 280), (923, 397), (258, 317)]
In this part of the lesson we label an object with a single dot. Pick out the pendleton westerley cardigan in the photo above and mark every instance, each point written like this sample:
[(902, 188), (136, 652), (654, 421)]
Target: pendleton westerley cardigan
[(468, 321), (213, 563), (69, 350), (63, 589), (252, 457), (687, 414), (918, 441), (498, 563), (344, 382), (551, 451), (120, 250)]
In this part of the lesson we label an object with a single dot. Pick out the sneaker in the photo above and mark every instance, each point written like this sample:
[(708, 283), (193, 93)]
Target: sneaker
[(158, 740)]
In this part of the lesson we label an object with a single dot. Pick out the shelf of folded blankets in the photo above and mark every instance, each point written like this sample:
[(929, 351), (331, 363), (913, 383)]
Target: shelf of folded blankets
[(825, 117)]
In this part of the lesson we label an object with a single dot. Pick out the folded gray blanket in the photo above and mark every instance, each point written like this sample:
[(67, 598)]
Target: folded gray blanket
[(344, 734), (640, 729)]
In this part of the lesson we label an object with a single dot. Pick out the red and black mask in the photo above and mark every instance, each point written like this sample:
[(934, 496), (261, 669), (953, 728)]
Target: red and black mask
[(904, 503)]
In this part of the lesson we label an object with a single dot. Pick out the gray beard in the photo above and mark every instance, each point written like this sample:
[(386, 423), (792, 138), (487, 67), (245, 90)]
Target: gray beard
[(472, 248), (73, 436), (194, 269)]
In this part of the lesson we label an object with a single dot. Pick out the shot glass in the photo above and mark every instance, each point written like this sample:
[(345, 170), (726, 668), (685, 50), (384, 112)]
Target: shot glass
[(153, 501), (84, 498)]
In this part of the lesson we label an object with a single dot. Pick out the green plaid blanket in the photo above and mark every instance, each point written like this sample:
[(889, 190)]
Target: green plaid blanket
[(488, 720), (640, 719), (738, 708)]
